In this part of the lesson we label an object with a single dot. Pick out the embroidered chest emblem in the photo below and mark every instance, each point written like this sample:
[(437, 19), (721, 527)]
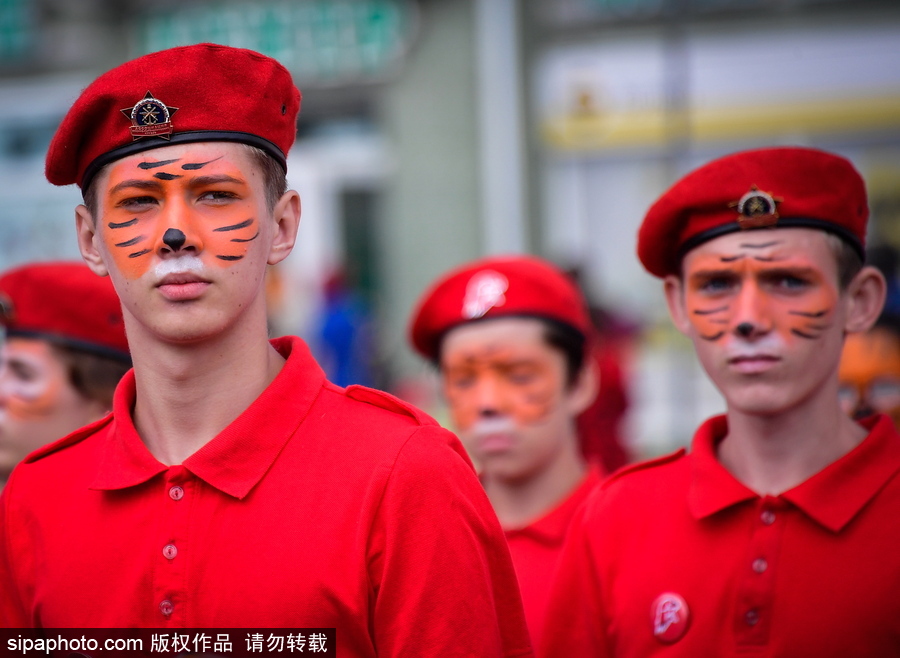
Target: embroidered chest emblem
[(669, 617), (485, 290)]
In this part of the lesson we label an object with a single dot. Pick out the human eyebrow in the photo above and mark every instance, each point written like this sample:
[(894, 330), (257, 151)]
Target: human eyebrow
[(215, 179), (137, 184)]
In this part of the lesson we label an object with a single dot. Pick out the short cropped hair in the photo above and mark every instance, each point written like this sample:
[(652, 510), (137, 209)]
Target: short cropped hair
[(94, 377)]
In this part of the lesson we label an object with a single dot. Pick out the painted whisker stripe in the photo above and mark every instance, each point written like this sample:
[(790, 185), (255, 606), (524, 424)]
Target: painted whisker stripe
[(698, 311), (139, 253), (154, 165), (713, 337), (245, 239), (191, 166), (131, 242), (165, 176), (808, 314), (797, 332), (234, 227), (229, 257), (130, 222)]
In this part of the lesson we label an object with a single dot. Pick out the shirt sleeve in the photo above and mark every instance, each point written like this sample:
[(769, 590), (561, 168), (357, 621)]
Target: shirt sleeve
[(11, 613), (443, 581), (576, 623)]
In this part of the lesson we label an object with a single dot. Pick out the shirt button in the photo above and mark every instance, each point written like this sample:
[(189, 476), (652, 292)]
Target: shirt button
[(751, 617), (767, 517), (166, 607), (176, 493), (759, 564), (170, 551)]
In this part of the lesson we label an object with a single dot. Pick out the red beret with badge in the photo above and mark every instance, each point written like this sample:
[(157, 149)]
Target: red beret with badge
[(785, 187), (517, 286), (155, 101), (64, 303)]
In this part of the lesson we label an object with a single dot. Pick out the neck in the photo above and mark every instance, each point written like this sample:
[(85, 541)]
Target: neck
[(772, 454), (187, 394), (521, 501)]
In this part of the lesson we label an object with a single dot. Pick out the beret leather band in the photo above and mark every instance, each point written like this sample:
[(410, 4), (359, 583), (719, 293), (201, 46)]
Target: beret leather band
[(74, 343), (783, 222), (149, 143)]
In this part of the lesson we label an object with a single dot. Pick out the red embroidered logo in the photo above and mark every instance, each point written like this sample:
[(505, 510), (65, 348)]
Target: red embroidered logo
[(669, 617), (485, 291)]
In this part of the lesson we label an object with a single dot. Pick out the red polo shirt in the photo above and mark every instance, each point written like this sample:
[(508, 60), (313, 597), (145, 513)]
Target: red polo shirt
[(677, 558), (535, 552), (317, 507)]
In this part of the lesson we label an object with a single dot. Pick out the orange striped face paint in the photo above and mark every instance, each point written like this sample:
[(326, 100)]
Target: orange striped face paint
[(198, 199), (523, 380), (762, 281)]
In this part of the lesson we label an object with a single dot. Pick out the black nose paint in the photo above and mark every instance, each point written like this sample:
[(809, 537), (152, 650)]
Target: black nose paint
[(174, 239), (745, 329)]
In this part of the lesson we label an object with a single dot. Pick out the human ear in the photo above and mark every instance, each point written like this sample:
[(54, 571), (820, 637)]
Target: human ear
[(673, 287), (584, 390), (865, 299), (287, 222), (87, 241)]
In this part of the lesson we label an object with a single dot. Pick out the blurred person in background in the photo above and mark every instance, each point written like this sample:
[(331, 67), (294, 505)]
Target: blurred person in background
[(63, 354), (512, 339), (776, 535), (869, 371), (233, 485)]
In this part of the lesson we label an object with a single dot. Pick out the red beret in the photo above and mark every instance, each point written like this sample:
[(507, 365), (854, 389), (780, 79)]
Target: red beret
[(786, 187), (522, 286), (197, 93), (65, 303)]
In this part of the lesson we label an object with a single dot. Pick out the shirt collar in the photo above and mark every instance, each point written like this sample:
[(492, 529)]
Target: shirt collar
[(831, 497), (237, 458), (551, 528)]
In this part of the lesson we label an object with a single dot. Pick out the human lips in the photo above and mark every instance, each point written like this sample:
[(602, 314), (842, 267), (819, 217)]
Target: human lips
[(753, 363), (182, 286), (494, 435)]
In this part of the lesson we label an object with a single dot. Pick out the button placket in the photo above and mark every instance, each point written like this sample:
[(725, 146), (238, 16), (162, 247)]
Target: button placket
[(756, 587), (169, 576)]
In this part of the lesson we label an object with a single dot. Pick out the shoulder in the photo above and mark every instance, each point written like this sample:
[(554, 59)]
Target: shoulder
[(649, 468), (382, 401), (73, 439)]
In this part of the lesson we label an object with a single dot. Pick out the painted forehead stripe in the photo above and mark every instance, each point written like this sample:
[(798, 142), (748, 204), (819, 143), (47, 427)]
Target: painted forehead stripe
[(154, 165), (164, 176), (190, 166)]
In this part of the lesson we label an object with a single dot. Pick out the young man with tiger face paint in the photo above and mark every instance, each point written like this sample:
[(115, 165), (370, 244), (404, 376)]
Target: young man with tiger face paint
[(232, 485), (512, 338), (775, 534)]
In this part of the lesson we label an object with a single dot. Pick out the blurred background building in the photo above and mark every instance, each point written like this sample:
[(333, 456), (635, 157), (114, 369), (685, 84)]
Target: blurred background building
[(436, 131)]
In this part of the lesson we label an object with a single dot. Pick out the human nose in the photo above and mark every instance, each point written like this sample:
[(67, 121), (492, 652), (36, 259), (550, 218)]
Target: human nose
[(751, 316), (490, 398), (180, 233)]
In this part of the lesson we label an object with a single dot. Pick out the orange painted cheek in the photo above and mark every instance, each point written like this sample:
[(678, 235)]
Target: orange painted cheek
[(806, 317), (36, 401)]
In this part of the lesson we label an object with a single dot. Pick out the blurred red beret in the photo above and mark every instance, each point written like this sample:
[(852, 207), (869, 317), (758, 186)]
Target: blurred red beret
[(65, 303), (196, 93), (786, 187), (495, 287)]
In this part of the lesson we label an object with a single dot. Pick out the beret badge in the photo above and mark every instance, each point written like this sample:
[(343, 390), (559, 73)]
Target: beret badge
[(150, 117), (485, 291), (757, 209)]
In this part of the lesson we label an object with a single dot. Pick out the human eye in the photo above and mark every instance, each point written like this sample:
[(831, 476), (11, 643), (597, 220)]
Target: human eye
[(218, 196), (715, 284), (460, 380), (789, 282), (136, 203)]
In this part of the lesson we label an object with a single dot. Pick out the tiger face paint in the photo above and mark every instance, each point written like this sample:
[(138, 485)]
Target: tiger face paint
[(186, 235), (199, 204), (763, 309), (38, 403), (508, 395)]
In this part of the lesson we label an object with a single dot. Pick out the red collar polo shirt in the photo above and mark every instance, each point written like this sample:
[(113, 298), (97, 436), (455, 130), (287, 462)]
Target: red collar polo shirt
[(677, 558), (317, 507), (536, 548)]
